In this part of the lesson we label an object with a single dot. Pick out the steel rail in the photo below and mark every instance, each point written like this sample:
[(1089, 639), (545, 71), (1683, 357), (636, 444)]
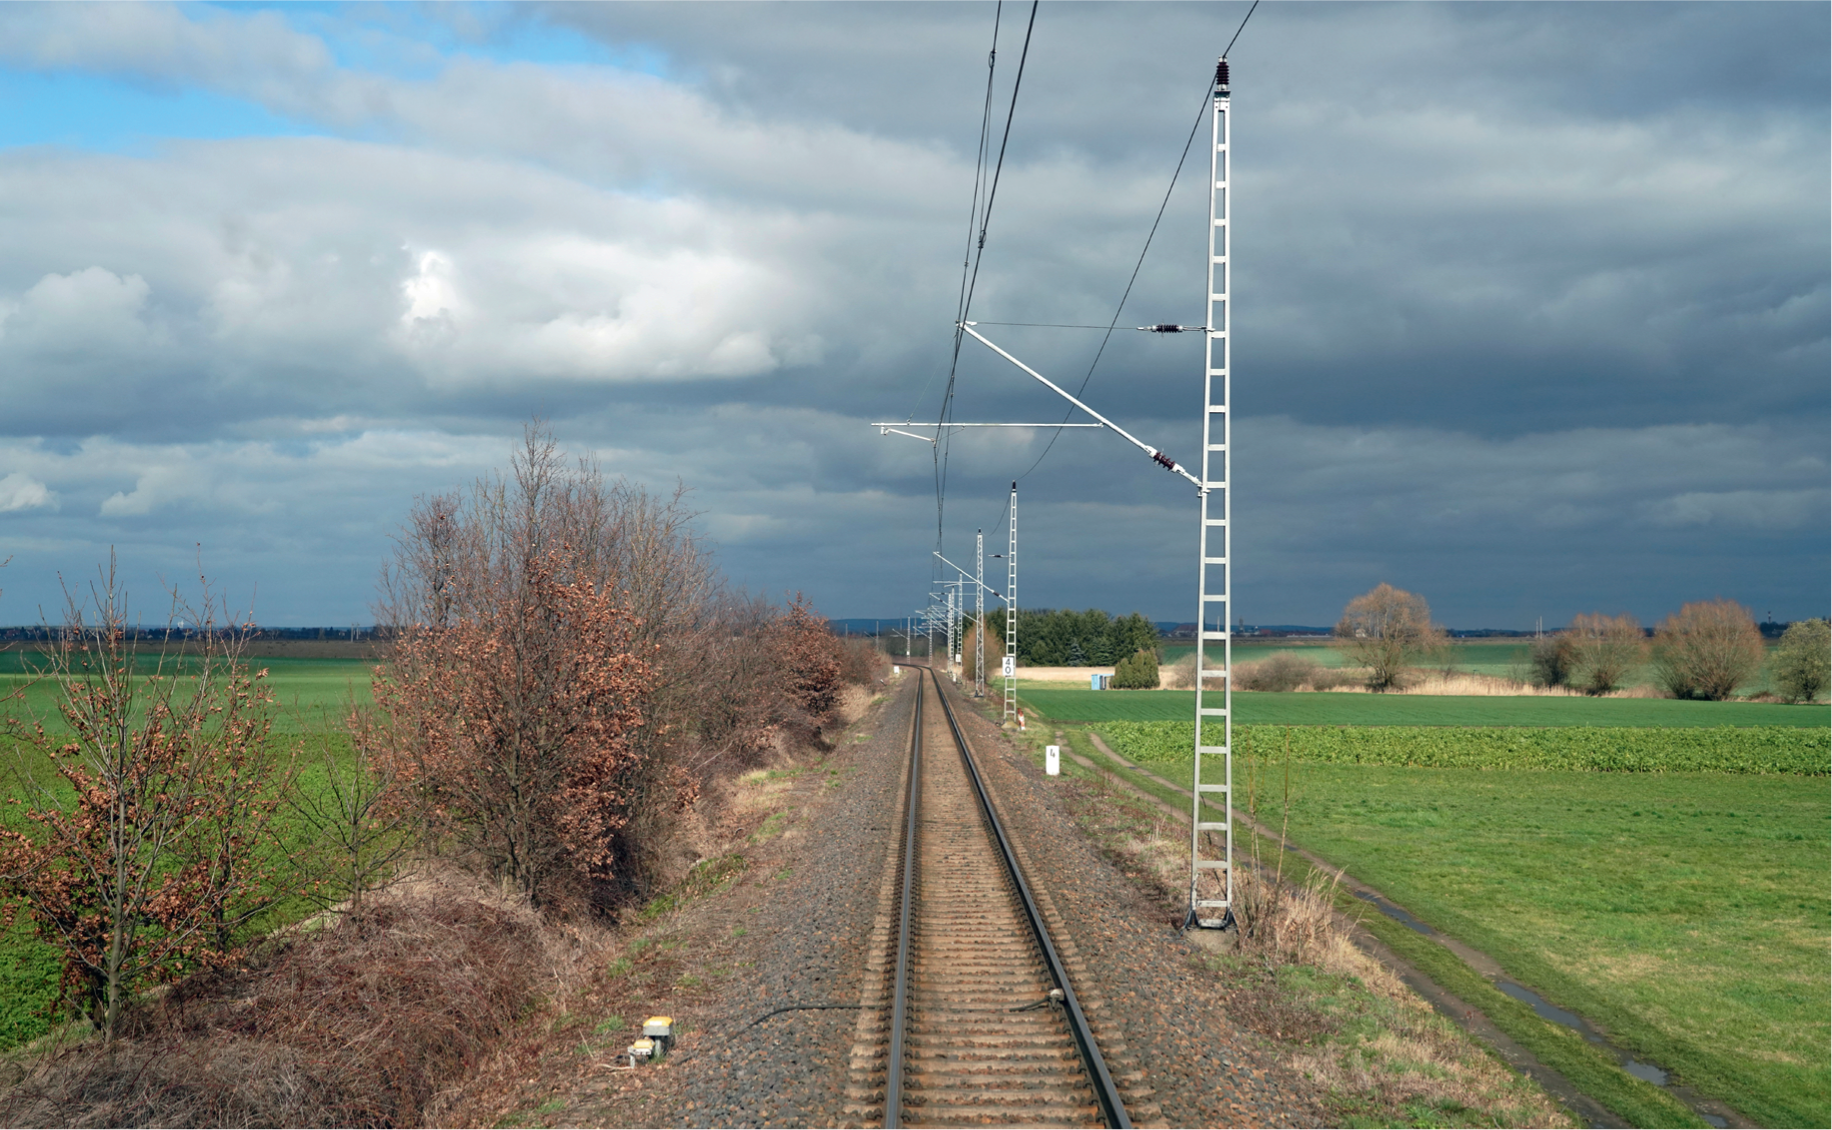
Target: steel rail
[(893, 1090), (1113, 1109)]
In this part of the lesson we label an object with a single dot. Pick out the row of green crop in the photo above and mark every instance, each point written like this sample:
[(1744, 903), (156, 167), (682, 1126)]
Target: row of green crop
[(1604, 749)]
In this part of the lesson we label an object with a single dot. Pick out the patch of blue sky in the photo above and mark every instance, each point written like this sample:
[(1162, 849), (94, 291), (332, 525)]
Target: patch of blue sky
[(101, 114)]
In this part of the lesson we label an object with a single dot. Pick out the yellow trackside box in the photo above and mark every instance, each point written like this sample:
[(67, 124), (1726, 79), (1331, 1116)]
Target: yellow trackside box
[(659, 1028)]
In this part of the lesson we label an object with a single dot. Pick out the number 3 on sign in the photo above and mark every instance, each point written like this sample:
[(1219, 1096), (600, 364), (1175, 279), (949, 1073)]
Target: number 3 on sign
[(1011, 666)]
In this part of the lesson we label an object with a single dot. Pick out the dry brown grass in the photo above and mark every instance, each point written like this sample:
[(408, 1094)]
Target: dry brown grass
[(359, 1023)]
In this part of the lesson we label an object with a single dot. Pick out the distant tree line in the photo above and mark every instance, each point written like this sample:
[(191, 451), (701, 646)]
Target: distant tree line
[(1062, 637), (1706, 650)]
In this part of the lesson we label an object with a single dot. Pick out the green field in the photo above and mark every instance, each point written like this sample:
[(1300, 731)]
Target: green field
[(1503, 657), (303, 689), (1686, 914), (1797, 750), (1348, 709)]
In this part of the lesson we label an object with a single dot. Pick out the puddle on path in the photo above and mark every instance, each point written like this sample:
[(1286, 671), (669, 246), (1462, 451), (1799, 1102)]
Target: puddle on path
[(1546, 1010), (1395, 913), (1550, 1011), (1646, 1072)]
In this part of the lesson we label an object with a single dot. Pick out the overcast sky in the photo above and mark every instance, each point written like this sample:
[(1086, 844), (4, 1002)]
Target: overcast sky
[(1531, 300)]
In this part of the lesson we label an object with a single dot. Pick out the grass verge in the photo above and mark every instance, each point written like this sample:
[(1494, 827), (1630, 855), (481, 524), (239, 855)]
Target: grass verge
[(1378, 1055)]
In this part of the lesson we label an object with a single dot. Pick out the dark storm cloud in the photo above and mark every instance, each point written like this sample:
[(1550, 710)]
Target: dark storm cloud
[(1505, 217), (1531, 299)]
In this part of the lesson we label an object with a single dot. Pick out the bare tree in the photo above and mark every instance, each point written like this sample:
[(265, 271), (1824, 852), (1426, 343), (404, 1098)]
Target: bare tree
[(738, 710), (1552, 661), (1707, 649), (518, 682), (1604, 650), (1387, 630), (1801, 662), (358, 825), (149, 803)]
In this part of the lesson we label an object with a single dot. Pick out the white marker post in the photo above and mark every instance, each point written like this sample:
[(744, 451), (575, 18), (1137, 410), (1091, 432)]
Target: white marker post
[(1052, 760)]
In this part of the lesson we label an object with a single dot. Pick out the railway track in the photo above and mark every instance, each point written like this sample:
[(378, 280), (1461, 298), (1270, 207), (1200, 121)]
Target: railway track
[(976, 1023)]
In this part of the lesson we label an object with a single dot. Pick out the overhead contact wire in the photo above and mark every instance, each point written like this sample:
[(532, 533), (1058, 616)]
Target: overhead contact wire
[(943, 443), (960, 302)]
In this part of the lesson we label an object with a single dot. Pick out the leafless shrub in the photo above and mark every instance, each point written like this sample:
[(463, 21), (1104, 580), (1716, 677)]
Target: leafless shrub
[(995, 653), (356, 830), (1387, 630), (862, 664), (737, 714), (1551, 661), (1181, 675), (1801, 663), (1281, 672), (1706, 650), (1329, 678), (1604, 650)]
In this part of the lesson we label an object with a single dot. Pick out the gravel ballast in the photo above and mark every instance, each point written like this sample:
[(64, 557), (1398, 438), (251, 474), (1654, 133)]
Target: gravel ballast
[(794, 928)]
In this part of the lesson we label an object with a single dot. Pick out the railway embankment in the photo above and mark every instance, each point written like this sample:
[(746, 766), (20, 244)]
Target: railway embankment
[(748, 957), (764, 955)]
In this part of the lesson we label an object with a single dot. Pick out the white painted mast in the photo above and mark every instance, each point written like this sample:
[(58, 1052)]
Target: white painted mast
[(1011, 613), (1211, 902)]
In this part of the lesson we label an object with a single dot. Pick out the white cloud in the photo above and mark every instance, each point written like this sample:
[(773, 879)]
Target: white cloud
[(72, 312), (19, 491), (574, 308)]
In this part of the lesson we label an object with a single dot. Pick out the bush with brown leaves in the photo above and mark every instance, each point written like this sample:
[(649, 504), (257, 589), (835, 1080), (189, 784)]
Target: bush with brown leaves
[(146, 849), (810, 655)]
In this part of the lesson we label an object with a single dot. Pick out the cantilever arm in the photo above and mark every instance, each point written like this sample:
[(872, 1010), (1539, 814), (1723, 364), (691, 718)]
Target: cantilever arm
[(1157, 456), (968, 578), (886, 429)]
